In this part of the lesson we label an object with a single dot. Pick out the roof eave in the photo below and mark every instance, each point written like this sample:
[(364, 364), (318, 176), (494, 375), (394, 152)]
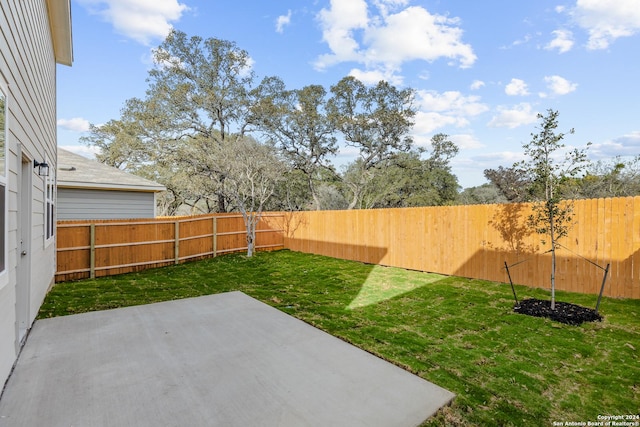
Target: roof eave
[(110, 187), (60, 22)]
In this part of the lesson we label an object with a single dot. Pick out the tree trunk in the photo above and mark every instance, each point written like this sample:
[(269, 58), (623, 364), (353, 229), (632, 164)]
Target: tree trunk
[(356, 197), (222, 202), (250, 246), (553, 277), (553, 258), (222, 206), (251, 221), (314, 195)]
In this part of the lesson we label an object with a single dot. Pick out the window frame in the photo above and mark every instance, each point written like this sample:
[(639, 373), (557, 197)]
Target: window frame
[(49, 205), (4, 192)]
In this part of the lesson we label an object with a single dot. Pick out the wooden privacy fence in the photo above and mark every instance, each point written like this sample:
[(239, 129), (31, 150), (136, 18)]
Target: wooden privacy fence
[(469, 241), (101, 248), (476, 241)]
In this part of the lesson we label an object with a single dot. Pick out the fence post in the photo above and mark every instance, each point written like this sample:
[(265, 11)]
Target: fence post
[(92, 256), (215, 236), (176, 245)]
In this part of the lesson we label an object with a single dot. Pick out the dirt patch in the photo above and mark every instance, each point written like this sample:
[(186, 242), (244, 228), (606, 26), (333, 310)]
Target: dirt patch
[(570, 314)]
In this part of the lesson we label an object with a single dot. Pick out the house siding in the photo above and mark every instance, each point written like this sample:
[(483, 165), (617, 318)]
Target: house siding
[(28, 69), (74, 203)]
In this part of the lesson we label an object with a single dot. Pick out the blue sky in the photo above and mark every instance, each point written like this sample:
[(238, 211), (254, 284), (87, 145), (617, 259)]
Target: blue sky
[(482, 70)]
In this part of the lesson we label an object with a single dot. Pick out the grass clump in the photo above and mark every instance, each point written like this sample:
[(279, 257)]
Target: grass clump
[(505, 368)]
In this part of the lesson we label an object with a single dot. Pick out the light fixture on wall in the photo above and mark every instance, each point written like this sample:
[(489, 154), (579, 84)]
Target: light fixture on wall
[(43, 168)]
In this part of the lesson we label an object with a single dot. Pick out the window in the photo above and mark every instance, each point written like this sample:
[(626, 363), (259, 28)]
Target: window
[(50, 193), (3, 181)]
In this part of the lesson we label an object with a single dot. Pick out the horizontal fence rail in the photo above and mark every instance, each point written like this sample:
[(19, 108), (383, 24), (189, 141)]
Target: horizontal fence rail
[(476, 241), (102, 248)]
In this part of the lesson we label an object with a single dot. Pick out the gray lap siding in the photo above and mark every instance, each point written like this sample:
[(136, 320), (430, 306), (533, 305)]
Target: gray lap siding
[(75, 204)]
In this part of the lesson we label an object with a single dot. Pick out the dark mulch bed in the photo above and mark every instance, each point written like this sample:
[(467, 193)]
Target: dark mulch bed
[(570, 314)]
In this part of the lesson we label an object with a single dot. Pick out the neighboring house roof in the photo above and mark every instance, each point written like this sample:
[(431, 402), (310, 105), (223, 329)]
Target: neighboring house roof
[(76, 171), (60, 23)]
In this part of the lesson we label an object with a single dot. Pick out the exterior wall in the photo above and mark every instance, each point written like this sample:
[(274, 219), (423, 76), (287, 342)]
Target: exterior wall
[(28, 71), (77, 203)]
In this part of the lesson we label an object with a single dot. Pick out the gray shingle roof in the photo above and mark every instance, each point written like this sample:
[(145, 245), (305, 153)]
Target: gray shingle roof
[(76, 171)]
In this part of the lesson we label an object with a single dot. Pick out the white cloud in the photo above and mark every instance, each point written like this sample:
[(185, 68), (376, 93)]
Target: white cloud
[(282, 21), (518, 115), (559, 85), (249, 66), (338, 25), (477, 84), (388, 39), (526, 39), (626, 145), (563, 41), (386, 6), (140, 20), (450, 102), (607, 20), (372, 77), (413, 34), (76, 124), (516, 87), (428, 122), (466, 141), (88, 152), (437, 110)]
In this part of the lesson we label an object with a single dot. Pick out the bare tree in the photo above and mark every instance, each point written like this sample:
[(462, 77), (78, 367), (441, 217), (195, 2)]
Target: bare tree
[(251, 171), (617, 177)]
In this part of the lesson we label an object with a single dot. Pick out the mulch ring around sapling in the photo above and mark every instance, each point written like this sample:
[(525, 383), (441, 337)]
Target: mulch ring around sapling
[(570, 314)]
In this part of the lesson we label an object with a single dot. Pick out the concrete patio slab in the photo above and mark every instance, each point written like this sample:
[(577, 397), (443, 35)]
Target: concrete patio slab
[(219, 360)]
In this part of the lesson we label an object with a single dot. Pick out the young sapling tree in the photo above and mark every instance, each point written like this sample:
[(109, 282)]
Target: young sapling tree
[(551, 166)]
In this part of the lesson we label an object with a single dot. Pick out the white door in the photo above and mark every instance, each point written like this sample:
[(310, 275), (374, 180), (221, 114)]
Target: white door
[(23, 283)]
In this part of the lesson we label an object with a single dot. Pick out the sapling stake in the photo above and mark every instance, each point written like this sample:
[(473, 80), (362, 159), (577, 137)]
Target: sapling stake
[(604, 280), (511, 283)]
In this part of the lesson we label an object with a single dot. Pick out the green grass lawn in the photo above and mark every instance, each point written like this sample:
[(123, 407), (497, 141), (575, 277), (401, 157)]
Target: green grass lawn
[(505, 368)]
